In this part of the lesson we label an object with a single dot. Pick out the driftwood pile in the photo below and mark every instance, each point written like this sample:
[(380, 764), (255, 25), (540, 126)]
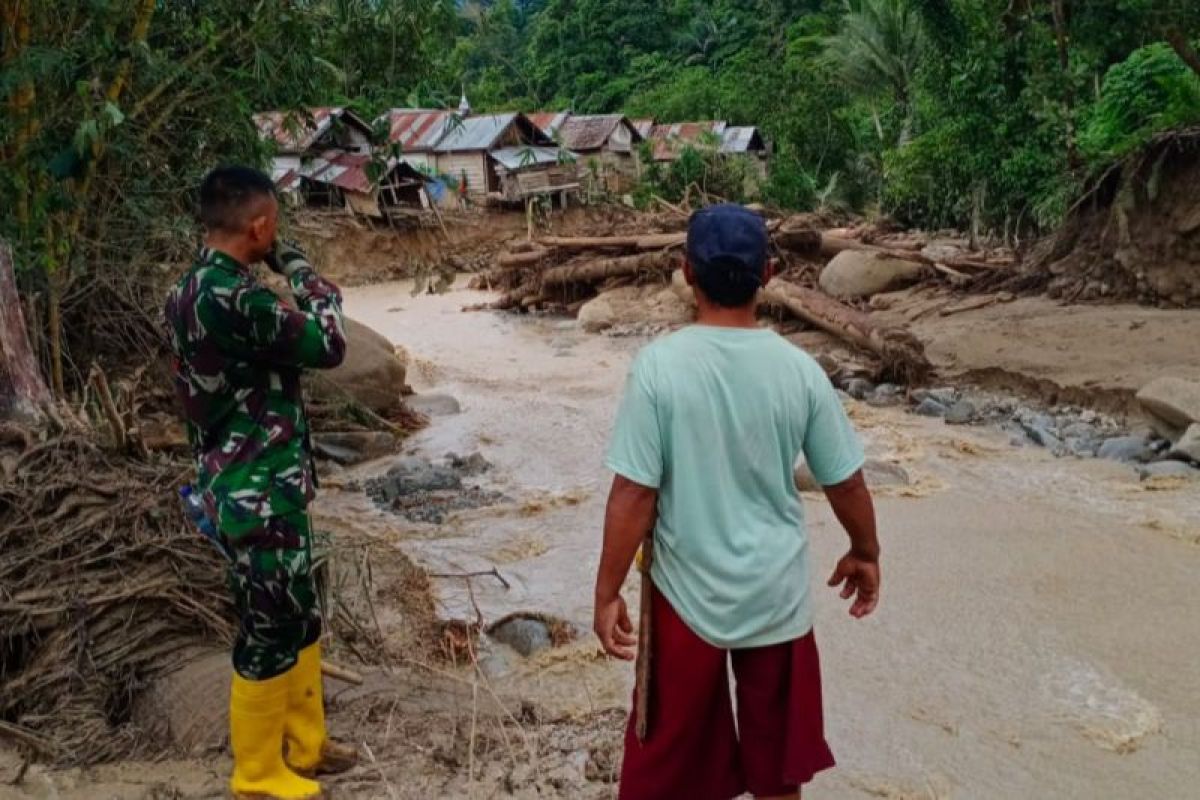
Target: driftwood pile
[(564, 272), (102, 585)]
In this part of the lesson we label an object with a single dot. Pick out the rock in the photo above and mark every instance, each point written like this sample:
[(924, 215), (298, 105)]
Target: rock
[(858, 388), (1168, 469), (435, 405), (1126, 448), (354, 447), (886, 394), (1171, 405), (523, 634), (946, 395), (884, 473), (930, 408), (860, 273), (411, 474), (631, 305), (472, 465), (1041, 434), (961, 413), (679, 286), (371, 372), (1188, 446)]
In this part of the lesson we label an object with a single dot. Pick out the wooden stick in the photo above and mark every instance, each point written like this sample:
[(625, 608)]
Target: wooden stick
[(642, 668), (331, 670)]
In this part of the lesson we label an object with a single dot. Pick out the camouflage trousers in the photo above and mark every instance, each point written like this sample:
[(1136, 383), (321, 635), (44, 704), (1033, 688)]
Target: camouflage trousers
[(275, 597)]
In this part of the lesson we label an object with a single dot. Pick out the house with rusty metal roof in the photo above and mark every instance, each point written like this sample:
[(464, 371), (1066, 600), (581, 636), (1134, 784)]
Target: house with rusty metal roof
[(744, 142), (303, 134), (489, 157), (362, 183)]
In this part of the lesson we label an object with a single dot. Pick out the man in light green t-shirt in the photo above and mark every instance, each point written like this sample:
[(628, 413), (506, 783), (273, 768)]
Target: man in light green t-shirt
[(713, 422)]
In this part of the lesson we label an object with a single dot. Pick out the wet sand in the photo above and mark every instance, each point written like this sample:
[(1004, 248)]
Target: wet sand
[(1040, 627)]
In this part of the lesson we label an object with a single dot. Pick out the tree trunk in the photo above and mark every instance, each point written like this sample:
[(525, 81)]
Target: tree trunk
[(23, 393), (1183, 48), (656, 241), (902, 354), (604, 268), (832, 245)]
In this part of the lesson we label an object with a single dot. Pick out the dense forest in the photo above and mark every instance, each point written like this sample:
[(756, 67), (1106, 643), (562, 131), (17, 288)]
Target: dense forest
[(983, 113)]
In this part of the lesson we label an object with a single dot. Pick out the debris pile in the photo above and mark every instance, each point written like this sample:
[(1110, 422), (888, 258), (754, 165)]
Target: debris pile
[(564, 272), (102, 585)]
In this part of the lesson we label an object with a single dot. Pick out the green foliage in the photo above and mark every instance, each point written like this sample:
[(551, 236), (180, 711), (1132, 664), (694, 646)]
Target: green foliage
[(1150, 91)]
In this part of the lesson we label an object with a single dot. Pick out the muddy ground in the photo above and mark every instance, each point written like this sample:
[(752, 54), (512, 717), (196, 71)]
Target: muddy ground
[(1038, 634)]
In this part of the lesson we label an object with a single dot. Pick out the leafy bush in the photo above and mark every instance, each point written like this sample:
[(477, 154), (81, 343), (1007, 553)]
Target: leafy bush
[(1150, 91)]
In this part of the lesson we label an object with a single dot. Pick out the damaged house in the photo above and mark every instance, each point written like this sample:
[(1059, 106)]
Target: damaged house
[(606, 146)]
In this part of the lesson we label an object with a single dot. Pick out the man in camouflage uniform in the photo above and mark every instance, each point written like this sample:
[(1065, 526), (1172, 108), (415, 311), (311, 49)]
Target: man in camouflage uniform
[(239, 353)]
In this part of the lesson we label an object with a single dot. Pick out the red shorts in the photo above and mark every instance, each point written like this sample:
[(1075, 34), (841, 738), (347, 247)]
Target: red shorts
[(693, 750)]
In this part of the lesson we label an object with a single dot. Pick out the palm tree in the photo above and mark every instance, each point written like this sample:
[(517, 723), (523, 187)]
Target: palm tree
[(877, 52)]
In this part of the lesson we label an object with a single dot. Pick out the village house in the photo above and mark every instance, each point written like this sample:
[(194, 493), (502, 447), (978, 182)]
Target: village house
[(744, 142), (304, 135), (361, 183), (486, 157), (605, 144)]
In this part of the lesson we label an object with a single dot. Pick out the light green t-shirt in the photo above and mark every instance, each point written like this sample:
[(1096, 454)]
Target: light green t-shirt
[(716, 419)]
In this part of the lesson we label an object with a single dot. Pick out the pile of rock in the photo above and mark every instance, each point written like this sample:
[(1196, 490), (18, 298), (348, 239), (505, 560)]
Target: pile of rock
[(1171, 447)]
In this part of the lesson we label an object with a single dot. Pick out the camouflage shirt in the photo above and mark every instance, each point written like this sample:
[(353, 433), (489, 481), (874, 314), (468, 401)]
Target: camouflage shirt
[(239, 351)]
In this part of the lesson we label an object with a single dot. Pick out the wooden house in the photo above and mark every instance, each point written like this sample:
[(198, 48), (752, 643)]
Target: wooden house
[(606, 146), (303, 135)]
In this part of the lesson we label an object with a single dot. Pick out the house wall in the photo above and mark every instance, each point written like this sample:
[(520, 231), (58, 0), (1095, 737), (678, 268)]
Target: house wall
[(421, 161), (475, 165), (282, 163)]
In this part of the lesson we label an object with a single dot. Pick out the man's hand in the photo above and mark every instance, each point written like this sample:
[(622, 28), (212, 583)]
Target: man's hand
[(861, 578), (286, 257), (615, 630)]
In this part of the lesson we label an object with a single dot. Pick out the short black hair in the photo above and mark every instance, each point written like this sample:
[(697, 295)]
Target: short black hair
[(728, 283), (225, 195)]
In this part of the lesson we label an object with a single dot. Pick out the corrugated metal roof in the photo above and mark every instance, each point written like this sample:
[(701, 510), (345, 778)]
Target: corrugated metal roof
[(514, 158), (670, 139), (344, 170), (474, 133), (416, 130), (742, 139), (549, 121), (297, 131)]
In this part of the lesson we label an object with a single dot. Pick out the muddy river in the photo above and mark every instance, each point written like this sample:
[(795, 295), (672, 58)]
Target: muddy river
[(1039, 634)]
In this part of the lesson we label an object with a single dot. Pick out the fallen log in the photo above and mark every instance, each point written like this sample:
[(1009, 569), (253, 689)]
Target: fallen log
[(604, 268), (831, 245), (902, 354), (523, 259), (649, 241)]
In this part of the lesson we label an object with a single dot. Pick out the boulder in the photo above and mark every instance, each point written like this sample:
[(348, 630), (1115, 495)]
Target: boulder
[(354, 447), (930, 408), (861, 273), (371, 373), (634, 305), (1126, 448), (526, 635), (1168, 469), (1171, 405), (961, 413), (1188, 446), (679, 285)]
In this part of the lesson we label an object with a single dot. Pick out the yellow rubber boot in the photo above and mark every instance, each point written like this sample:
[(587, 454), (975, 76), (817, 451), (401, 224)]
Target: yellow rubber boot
[(256, 718), (309, 750)]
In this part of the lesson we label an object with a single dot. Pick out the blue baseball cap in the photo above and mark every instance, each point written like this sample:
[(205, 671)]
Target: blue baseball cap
[(727, 237)]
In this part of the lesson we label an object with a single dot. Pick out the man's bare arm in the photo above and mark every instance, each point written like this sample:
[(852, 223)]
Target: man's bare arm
[(858, 570), (631, 514)]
